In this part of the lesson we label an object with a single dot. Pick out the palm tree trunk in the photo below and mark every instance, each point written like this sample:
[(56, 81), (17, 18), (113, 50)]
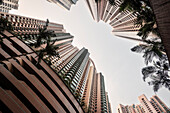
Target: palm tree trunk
[(161, 10)]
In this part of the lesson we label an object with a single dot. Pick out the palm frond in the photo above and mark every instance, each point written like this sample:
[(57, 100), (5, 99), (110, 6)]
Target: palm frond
[(112, 2), (156, 32), (5, 25), (139, 48), (148, 71), (156, 86), (145, 30)]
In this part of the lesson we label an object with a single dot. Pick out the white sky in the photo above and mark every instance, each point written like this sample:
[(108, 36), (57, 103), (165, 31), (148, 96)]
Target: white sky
[(112, 56)]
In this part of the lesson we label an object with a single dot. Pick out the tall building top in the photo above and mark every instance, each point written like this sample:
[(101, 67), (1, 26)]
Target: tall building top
[(154, 105), (66, 4), (8, 5)]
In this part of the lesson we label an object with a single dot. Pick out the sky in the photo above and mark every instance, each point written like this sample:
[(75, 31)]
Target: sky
[(111, 55)]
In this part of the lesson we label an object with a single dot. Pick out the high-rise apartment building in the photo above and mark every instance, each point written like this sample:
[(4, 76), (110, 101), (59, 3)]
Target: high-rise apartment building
[(8, 5), (26, 86), (66, 4), (130, 109), (74, 68), (97, 102), (146, 104), (121, 109), (88, 87), (120, 21), (25, 25), (159, 104), (154, 105), (139, 109), (74, 72), (109, 109)]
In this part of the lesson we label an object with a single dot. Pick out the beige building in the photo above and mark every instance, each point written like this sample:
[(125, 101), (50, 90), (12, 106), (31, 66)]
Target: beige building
[(146, 104), (130, 109), (154, 105), (159, 104)]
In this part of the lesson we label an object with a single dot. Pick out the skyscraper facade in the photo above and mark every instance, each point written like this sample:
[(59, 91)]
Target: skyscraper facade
[(26, 25), (108, 12), (95, 97), (73, 72), (8, 5), (109, 109), (155, 105), (159, 104), (66, 4), (146, 104), (74, 68), (27, 86), (130, 109)]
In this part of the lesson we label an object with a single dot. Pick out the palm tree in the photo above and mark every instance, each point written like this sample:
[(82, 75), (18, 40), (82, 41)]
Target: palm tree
[(150, 49), (44, 34), (49, 50), (1, 1), (158, 74), (5, 25), (145, 16), (147, 22), (131, 5)]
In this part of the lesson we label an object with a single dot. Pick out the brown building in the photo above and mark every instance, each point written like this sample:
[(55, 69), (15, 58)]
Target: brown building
[(161, 9), (28, 87), (71, 73)]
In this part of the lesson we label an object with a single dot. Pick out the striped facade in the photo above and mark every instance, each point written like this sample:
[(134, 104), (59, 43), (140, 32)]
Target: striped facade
[(109, 109), (60, 87), (28, 87), (27, 25), (159, 104), (96, 100), (154, 105), (119, 21)]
